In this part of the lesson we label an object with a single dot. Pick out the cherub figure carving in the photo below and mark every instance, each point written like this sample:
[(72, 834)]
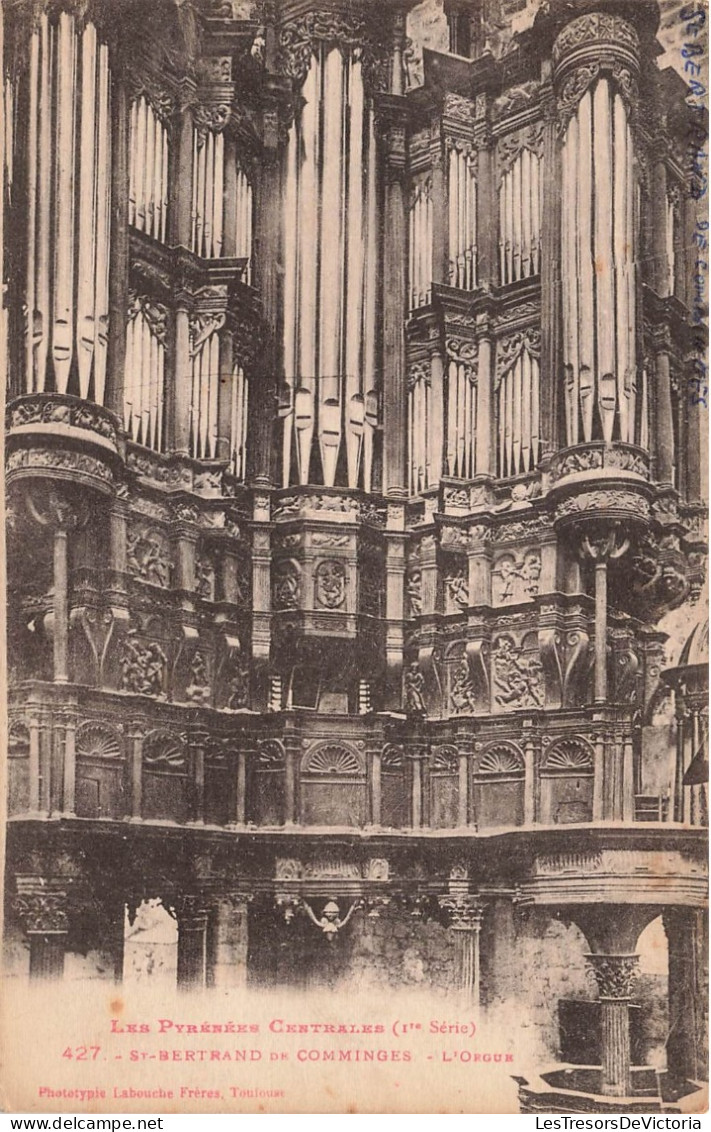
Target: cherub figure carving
[(330, 922)]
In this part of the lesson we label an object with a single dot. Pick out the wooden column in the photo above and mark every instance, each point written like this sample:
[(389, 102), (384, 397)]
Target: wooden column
[(485, 445), (664, 436), (69, 768), (135, 770)]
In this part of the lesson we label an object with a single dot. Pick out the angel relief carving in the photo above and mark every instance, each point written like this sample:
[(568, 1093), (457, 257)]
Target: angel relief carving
[(516, 578)]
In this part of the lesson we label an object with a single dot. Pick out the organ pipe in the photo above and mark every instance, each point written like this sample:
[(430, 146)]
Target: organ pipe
[(520, 218), (519, 416), (148, 170), (462, 221), (145, 378), (598, 241), (68, 163), (330, 402)]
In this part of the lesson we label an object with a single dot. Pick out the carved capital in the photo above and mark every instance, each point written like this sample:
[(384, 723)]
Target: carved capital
[(615, 975), (41, 906)]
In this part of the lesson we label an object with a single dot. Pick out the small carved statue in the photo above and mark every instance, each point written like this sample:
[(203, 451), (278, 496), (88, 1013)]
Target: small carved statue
[(414, 689), (330, 922)]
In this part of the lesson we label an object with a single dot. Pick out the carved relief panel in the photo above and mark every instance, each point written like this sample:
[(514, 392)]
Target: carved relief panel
[(515, 577)]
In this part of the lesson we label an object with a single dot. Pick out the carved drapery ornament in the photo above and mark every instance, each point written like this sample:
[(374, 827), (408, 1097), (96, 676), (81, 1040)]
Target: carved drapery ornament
[(510, 349)]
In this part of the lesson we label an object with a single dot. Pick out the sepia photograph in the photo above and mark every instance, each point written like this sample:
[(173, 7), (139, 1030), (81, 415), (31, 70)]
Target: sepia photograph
[(356, 433)]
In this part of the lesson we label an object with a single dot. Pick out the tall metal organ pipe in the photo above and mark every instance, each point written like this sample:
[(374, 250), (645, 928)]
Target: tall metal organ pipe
[(68, 174), (603, 399), (330, 402), (148, 170)]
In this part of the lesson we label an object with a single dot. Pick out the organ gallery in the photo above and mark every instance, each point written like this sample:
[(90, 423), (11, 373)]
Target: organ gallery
[(356, 525)]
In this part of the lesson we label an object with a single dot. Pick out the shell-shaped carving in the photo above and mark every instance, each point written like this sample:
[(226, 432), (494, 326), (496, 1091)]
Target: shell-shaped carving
[(270, 755), (392, 757), (573, 755), (445, 758), (18, 741), (501, 760), (333, 759), (164, 752), (96, 741)]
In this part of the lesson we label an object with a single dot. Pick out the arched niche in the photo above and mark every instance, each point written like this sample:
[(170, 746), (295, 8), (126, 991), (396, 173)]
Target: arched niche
[(444, 787), (265, 798), (333, 785), (100, 772), (567, 782), (499, 786), (166, 782)]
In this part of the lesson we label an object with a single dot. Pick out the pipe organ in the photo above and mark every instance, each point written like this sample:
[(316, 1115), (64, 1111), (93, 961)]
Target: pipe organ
[(420, 243), (520, 218), (599, 242), (144, 389), (462, 223), (461, 416), (208, 193), (244, 220), (68, 169), (424, 424), (148, 170), (205, 379), (518, 413), (239, 406), (331, 253)]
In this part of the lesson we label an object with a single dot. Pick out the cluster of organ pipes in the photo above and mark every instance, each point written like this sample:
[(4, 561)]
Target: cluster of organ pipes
[(520, 218), (238, 423), (144, 388), (462, 220), (208, 193), (244, 219), (461, 419), (147, 170), (420, 244), (519, 416), (205, 383), (69, 200), (425, 427), (598, 271), (670, 246), (329, 404)]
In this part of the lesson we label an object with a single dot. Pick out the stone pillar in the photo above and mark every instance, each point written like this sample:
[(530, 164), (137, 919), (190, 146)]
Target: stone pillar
[(41, 904), (485, 447), (179, 390), (183, 169), (198, 742), (664, 436), (416, 759), (261, 597), (118, 270), (628, 789), (529, 782), (135, 770), (465, 916), (686, 1055), (615, 977), (393, 117), (69, 768), (601, 549), (241, 787), (34, 767), (376, 794), (191, 915), (463, 793), (394, 603), (598, 808), (227, 959)]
